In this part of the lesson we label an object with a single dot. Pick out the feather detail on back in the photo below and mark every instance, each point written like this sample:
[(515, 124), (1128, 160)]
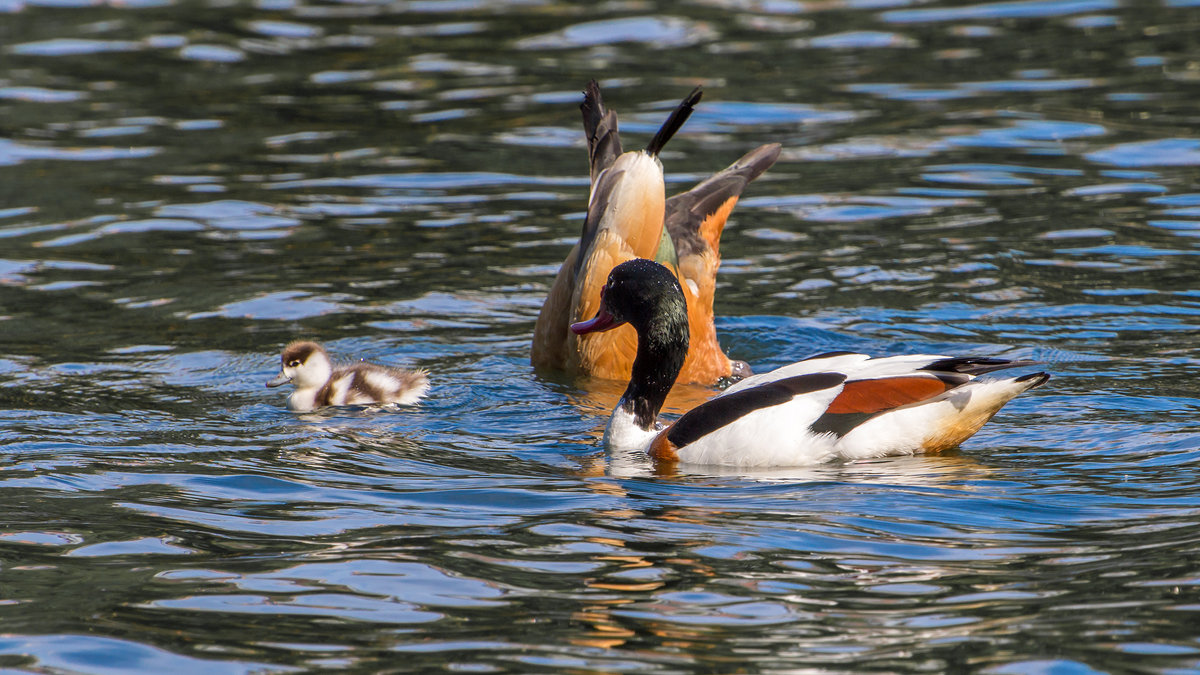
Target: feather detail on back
[(367, 384)]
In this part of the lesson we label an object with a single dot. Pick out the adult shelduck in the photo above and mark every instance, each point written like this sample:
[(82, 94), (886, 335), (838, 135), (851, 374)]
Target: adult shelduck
[(628, 217), (318, 383), (835, 405)]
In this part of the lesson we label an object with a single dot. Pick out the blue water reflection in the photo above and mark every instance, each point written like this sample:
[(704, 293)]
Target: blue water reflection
[(188, 187)]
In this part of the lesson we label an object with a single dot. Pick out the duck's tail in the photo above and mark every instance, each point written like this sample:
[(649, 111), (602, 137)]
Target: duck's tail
[(628, 176)]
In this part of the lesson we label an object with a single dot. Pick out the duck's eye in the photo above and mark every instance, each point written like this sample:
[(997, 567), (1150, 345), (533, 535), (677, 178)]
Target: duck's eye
[(293, 363)]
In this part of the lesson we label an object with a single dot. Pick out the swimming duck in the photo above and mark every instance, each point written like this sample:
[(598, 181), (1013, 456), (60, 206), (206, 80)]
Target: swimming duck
[(307, 365), (628, 217), (829, 406)]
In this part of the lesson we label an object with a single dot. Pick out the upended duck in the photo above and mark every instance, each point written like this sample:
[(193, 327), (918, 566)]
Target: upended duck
[(830, 406), (318, 383), (628, 217)]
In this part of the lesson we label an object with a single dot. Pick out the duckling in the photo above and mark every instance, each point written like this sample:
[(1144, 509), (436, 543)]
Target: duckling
[(838, 405), (307, 365)]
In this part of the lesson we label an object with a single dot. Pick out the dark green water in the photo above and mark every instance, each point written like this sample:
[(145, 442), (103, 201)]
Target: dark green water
[(185, 187)]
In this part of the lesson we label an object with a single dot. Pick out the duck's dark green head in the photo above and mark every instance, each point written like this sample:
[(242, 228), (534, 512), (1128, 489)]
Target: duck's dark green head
[(642, 293), (647, 296)]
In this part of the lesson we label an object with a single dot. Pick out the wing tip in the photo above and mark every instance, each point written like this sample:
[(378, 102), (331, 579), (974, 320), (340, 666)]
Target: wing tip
[(763, 156), (977, 365), (674, 122), (592, 108), (1034, 380)]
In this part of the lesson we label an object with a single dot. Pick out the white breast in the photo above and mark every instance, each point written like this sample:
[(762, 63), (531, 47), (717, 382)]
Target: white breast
[(623, 434), (302, 400)]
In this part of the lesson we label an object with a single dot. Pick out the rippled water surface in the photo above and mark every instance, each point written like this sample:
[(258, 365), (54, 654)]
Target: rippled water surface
[(187, 186)]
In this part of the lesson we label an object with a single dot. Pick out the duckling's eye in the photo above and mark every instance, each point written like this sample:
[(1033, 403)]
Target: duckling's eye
[(293, 363)]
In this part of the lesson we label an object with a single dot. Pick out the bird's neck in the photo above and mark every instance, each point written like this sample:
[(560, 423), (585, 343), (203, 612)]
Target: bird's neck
[(662, 347)]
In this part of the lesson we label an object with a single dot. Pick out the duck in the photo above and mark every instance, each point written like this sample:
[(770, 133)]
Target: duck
[(835, 405), (629, 217), (318, 383)]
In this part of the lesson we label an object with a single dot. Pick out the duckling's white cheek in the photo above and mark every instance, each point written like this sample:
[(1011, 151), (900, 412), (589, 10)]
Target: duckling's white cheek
[(307, 376)]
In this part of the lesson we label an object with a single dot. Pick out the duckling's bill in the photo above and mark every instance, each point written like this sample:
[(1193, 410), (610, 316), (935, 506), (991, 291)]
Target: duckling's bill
[(279, 380)]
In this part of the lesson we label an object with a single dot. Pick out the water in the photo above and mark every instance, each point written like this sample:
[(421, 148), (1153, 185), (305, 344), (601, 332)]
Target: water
[(186, 186)]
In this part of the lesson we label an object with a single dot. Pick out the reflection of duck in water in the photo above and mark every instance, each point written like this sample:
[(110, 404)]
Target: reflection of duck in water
[(628, 218), (307, 366), (836, 405)]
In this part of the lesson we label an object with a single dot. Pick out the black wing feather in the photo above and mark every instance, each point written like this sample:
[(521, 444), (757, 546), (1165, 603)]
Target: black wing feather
[(604, 146), (971, 365), (723, 410), (600, 128), (680, 115)]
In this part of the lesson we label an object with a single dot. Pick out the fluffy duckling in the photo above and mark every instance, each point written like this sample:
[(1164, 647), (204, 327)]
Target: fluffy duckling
[(307, 365), (830, 406)]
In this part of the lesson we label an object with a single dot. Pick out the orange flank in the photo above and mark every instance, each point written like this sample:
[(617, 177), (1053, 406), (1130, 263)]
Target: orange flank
[(629, 217), (713, 225), (697, 274), (872, 396), (662, 450)]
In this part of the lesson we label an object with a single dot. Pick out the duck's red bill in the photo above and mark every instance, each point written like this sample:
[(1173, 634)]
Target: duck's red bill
[(601, 322)]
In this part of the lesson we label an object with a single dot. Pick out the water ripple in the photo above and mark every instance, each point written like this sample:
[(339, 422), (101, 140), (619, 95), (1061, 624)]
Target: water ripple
[(401, 180), (658, 31), (1022, 9), (1163, 152)]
